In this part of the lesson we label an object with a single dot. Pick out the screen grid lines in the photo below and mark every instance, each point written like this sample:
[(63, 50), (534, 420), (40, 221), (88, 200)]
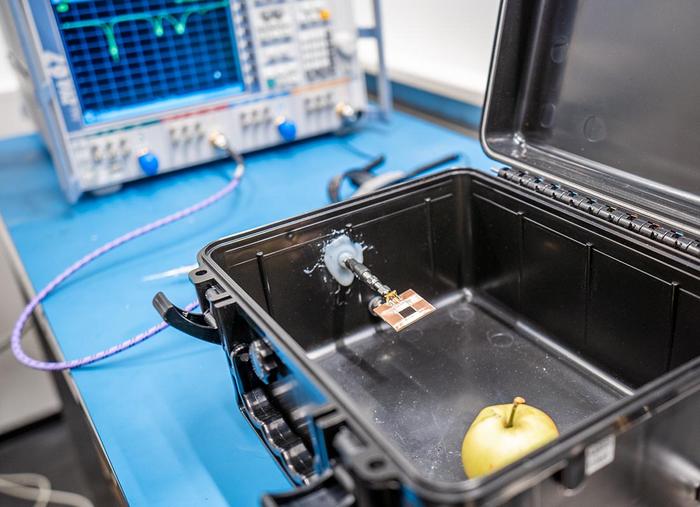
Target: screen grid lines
[(135, 52)]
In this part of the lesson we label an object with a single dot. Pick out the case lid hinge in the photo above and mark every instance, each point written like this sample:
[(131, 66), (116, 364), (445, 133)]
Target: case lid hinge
[(672, 237)]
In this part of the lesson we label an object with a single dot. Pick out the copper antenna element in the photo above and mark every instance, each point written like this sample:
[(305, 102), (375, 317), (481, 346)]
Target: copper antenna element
[(397, 310)]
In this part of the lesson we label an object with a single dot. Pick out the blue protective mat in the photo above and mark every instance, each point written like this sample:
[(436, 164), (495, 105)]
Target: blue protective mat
[(165, 411)]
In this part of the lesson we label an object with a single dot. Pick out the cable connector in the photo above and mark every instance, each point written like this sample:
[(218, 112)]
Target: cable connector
[(391, 297), (218, 140), (363, 273)]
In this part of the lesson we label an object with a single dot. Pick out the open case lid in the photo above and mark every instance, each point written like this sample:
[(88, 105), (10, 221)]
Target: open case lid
[(603, 95)]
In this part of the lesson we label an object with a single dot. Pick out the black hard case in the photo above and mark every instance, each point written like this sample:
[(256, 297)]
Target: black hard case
[(572, 279)]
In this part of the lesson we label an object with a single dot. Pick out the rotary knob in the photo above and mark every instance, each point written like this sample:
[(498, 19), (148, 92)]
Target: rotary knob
[(148, 162), (286, 128), (264, 361)]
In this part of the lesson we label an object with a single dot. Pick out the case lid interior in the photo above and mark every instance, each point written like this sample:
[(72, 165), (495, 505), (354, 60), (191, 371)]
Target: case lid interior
[(603, 95)]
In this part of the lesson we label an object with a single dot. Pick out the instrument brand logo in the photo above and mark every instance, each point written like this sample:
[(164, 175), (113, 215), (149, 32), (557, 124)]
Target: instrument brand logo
[(56, 68)]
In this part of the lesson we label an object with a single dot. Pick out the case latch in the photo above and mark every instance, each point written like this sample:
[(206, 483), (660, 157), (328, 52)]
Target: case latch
[(332, 489), (191, 323)]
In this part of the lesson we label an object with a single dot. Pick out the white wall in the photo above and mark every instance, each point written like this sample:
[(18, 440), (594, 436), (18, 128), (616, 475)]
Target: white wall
[(15, 120), (8, 81), (443, 46)]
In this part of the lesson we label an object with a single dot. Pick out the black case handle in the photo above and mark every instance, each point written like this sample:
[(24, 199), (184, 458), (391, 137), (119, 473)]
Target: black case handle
[(191, 323)]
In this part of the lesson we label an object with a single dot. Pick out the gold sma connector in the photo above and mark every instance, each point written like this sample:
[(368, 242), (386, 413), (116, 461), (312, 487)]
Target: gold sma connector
[(343, 258)]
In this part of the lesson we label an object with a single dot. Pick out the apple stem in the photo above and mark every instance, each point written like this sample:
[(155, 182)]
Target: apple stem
[(516, 401)]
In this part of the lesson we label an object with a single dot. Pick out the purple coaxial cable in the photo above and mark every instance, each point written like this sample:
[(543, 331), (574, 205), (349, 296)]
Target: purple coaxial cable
[(220, 142)]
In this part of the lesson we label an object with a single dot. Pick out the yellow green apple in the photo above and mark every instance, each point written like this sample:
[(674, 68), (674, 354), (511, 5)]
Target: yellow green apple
[(502, 434)]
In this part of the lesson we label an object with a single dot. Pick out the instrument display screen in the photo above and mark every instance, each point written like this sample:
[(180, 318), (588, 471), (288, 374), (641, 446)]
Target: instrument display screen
[(127, 55)]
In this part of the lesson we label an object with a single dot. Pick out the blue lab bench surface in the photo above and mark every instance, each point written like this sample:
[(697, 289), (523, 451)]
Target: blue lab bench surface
[(165, 410)]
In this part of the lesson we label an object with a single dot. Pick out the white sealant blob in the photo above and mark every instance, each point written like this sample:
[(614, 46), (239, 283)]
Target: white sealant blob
[(337, 250)]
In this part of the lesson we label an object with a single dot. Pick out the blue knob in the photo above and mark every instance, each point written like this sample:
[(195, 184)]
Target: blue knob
[(149, 163), (287, 129)]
